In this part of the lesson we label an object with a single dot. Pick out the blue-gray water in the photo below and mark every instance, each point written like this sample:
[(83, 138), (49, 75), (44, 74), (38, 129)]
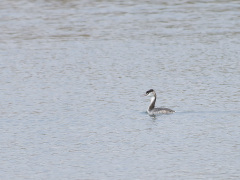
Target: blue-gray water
[(71, 78)]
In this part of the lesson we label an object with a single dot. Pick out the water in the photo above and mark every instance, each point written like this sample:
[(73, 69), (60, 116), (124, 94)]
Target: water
[(72, 74)]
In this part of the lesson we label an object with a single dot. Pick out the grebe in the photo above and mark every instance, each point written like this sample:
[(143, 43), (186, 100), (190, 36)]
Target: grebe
[(151, 109)]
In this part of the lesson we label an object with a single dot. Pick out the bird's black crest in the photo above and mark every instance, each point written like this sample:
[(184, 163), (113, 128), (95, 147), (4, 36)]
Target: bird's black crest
[(150, 90)]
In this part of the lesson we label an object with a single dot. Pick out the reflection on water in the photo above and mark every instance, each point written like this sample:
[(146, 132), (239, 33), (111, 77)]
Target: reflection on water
[(72, 74)]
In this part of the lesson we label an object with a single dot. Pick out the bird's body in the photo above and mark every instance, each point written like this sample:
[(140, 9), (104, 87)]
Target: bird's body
[(151, 109)]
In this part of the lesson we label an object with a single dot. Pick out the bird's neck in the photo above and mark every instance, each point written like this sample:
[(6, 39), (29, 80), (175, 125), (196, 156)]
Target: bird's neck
[(152, 104)]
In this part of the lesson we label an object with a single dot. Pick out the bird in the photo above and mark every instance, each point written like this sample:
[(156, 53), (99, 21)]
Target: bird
[(151, 109)]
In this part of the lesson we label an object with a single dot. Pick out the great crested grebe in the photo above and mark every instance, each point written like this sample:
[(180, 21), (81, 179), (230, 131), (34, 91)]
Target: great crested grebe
[(151, 109)]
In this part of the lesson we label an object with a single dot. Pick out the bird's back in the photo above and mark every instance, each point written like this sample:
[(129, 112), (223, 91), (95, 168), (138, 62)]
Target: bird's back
[(161, 111)]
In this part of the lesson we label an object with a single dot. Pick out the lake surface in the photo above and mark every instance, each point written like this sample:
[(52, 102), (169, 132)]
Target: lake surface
[(72, 76)]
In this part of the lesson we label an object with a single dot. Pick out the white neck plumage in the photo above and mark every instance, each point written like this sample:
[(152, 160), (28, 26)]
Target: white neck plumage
[(152, 104)]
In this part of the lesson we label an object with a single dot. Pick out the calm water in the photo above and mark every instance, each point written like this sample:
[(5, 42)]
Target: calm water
[(72, 74)]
